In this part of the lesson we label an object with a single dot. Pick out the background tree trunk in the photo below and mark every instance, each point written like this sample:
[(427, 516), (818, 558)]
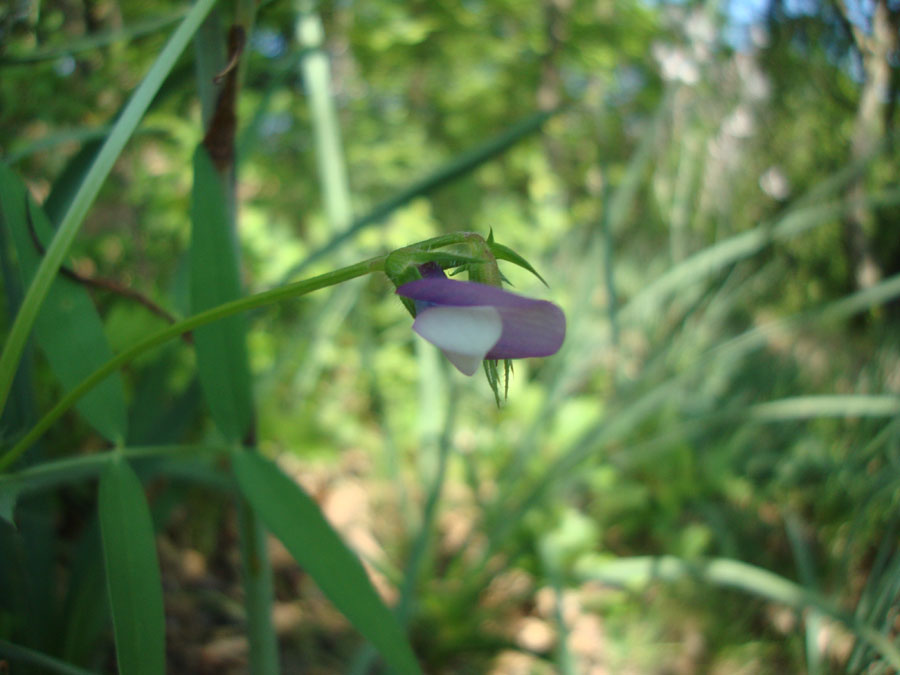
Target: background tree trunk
[(877, 50)]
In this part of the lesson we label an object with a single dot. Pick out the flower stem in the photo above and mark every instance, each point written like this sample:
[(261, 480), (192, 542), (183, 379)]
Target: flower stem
[(293, 290)]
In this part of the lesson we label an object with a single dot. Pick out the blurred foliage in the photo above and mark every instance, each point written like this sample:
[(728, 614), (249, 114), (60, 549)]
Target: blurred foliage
[(686, 208)]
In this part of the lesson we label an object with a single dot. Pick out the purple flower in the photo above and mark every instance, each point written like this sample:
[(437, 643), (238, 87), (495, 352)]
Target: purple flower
[(471, 322)]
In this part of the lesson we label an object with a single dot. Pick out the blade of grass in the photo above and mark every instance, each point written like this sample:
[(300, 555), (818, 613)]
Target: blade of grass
[(22, 411), (326, 129), (49, 475), (362, 663), (294, 518), (811, 407), (221, 349), (719, 256), (71, 222), (618, 423), (807, 572), (68, 327), (333, 184), (733, 574), (132, 572), (256, 579), (45, 662), (96, 41), (429, 513), (462, 165), (877, 606), (85, 618), (81, 135)]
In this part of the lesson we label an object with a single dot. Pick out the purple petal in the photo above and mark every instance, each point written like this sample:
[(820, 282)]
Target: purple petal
[(530, 327)]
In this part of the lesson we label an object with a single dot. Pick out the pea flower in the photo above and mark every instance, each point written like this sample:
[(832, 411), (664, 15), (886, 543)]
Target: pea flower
[(470, 322)]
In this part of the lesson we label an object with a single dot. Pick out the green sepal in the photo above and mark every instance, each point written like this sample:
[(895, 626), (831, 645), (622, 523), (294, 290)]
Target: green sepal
[(502, 252), (402, 266), (492, 371)]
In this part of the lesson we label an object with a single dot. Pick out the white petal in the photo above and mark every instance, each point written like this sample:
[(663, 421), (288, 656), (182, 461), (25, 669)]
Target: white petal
[(464, 363), (464, 334)]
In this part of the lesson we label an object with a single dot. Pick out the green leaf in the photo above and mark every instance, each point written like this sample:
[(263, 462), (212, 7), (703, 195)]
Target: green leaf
[(124, 127), (67, 183), (68, 328), (222, 346), (502, 252), (132, 572), (8, 499), (84, 619), (294, 518), (43, 662)]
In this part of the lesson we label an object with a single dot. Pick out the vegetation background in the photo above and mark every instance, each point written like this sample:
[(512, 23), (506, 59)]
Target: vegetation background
[(704, 480)]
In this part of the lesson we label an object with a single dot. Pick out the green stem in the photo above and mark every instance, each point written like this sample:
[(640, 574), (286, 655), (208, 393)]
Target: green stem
[(185, 325), (256, 576), (72, 469), (427, 529)]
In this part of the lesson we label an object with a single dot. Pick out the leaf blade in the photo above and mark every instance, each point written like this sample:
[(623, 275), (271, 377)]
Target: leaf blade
[(282, 505), (222, 346), (132, 572), (68, 328)]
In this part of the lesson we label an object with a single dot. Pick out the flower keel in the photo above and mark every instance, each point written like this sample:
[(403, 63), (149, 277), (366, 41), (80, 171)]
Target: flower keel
[(464, 334)]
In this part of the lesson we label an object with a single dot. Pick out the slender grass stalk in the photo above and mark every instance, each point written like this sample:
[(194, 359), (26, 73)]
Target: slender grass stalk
[(429, 513), (333, 181), (326, 131), (227, 309), (256, 578), (413, 569), (131, 32), (90, 186), (71, 469), (565, 660), (222, 311), (807, 572)]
